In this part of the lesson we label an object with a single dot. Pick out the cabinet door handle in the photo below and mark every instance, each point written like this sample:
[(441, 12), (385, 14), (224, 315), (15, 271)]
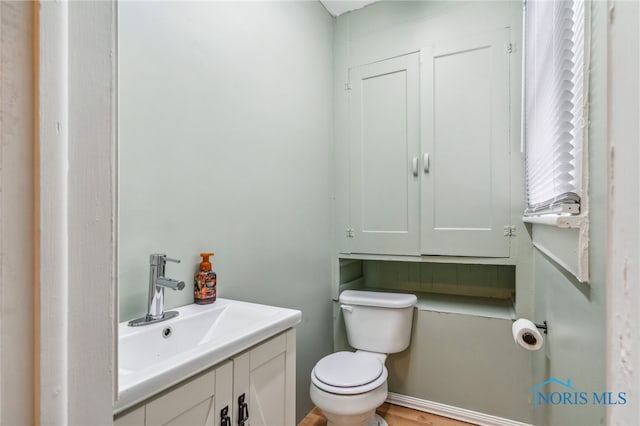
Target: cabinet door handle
[(425, 162), (224, 417), (243, 410), (414, 166)]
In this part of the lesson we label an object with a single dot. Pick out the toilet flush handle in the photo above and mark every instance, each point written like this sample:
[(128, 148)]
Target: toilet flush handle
[(347, 308)]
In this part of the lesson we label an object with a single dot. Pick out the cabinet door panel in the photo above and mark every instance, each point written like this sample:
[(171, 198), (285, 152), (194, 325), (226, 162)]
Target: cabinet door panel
[(199, 415), (465, 133), (241, 385), (224, 392), (133, 418), (268, 392), (191, 404), (265, 375), (267, 379), (384, 140), (268, 350)]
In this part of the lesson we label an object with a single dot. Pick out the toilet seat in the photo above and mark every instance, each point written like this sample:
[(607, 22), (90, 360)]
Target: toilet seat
[(348, 373)]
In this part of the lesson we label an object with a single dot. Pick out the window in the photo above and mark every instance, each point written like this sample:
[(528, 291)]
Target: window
[(555, 93)]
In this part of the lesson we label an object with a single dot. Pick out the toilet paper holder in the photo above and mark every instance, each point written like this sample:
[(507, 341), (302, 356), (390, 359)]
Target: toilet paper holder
[(528, 334), (542, 326)]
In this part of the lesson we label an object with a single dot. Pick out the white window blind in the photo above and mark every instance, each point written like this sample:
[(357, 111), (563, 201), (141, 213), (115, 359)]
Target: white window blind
[(554, 98)]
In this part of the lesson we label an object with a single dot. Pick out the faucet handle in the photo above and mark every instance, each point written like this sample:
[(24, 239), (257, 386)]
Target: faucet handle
[(159, 259)]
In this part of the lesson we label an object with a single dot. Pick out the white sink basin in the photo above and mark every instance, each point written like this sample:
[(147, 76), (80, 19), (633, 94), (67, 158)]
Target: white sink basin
[(154, 357)]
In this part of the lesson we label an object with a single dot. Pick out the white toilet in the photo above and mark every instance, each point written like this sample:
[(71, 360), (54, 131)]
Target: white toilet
[(349, 386)]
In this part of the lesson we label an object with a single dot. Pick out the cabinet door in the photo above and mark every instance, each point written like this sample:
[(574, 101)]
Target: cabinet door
[(465, 146), (264, 380), (224, 394), (191, 404), (133, 418), (384, 148)]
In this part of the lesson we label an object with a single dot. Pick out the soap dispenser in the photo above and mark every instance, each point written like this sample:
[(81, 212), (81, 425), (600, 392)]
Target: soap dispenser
[(204, 288)]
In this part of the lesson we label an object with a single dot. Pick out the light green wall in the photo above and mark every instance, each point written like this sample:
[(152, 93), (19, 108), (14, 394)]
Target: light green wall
[(226, 124), (464, 361), (226, 145), (575, 346)]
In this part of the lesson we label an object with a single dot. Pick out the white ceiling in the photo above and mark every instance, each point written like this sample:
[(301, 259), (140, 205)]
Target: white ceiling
[(338, 7)]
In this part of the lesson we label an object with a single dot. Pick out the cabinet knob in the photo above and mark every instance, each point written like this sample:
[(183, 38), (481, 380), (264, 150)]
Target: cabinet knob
[(414, 166), (425, 162)]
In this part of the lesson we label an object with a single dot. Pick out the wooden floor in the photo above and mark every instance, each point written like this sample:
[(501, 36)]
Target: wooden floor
[(394, 415)]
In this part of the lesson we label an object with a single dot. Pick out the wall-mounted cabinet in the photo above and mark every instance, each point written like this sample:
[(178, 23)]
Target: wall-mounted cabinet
[(254, 388), (429, 164)]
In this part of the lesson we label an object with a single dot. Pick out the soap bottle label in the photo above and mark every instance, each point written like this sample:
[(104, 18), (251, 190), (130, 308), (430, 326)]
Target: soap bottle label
[(205, 287)]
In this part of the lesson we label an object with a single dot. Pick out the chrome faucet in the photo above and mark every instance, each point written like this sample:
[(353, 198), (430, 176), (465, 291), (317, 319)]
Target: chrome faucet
[(157, 283)]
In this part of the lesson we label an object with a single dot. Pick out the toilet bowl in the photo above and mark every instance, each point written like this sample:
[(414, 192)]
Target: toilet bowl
[(349, 386)]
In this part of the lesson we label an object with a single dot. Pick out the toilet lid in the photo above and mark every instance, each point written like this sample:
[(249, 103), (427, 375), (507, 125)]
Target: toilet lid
[(348, 369)]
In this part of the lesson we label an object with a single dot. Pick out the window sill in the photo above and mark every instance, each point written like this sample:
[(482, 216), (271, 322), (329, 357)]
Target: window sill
[(575, 222), (564, 240)]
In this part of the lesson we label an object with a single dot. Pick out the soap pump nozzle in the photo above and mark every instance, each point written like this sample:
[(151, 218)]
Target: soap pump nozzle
[(205, 265)]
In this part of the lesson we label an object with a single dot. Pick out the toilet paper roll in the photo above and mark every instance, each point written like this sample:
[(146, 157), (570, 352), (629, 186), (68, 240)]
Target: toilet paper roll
[(526, 334)]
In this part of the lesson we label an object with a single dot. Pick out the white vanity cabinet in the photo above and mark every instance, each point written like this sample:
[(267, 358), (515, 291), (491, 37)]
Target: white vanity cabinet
[(259, 382), (429, 151)]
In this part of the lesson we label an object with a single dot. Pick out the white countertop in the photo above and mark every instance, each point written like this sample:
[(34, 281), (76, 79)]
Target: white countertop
[(200, 337)]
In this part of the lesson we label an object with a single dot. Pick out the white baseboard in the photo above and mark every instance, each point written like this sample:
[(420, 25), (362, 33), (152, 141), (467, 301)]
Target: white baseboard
[(450, 411)]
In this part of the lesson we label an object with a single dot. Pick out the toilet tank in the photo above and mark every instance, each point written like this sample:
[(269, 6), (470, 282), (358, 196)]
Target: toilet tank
[(377, 321)]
